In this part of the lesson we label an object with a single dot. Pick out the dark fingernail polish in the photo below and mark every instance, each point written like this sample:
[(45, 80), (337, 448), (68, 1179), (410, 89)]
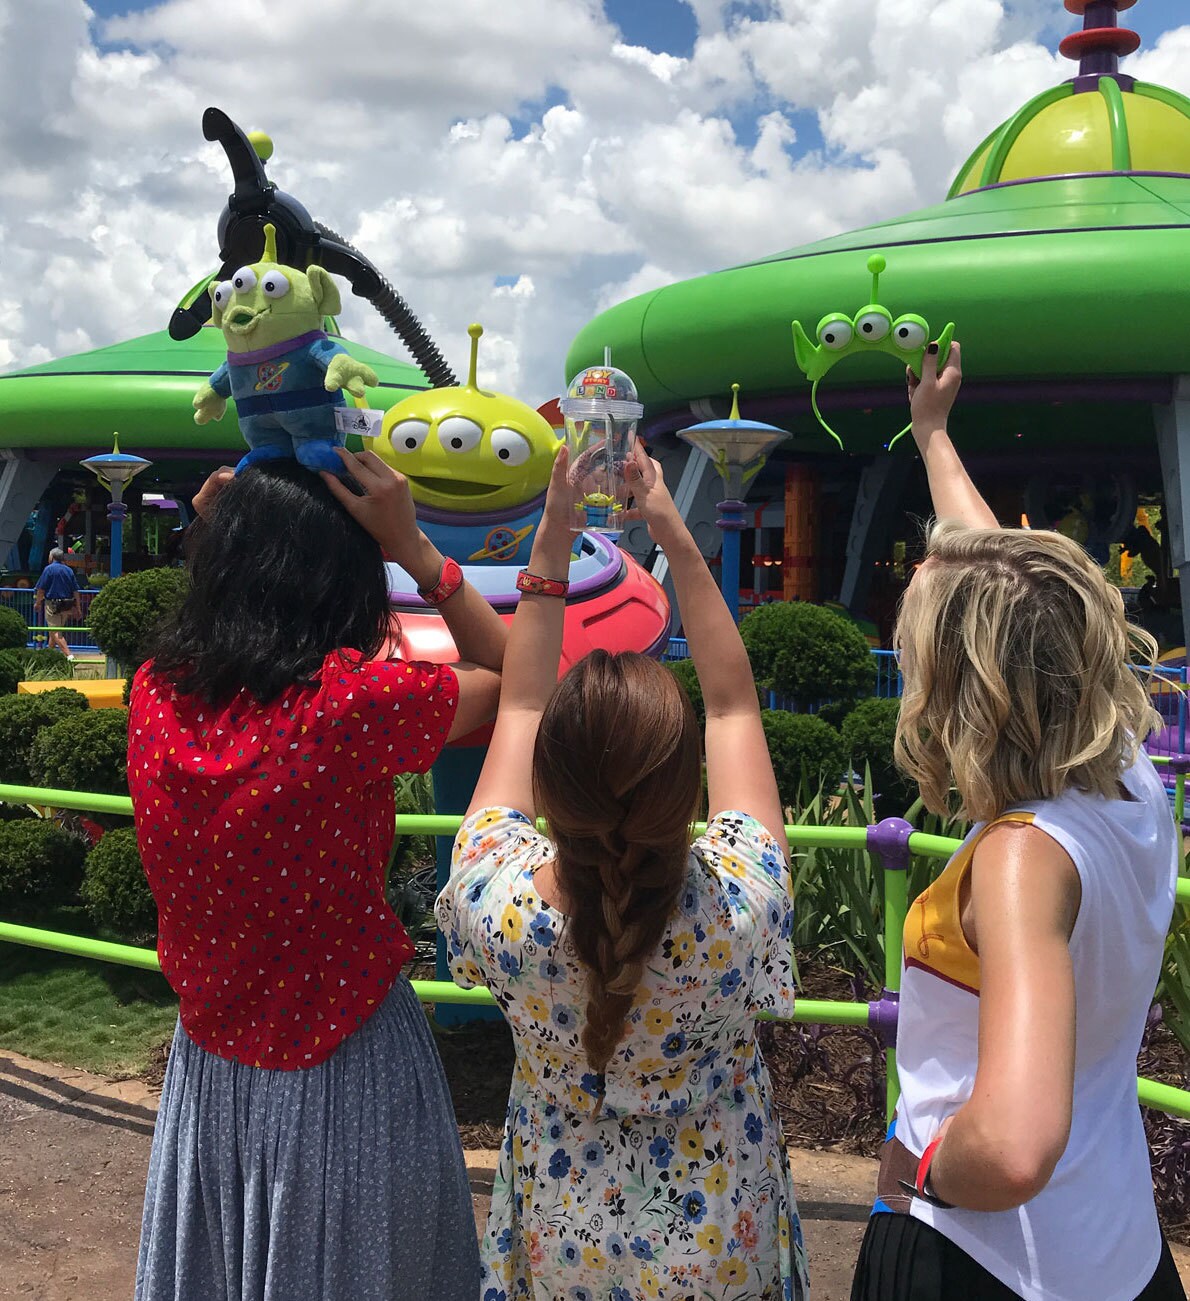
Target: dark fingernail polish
[(932, 349)]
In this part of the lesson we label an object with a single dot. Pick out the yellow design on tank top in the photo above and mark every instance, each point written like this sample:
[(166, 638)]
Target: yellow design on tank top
[(933, 935)]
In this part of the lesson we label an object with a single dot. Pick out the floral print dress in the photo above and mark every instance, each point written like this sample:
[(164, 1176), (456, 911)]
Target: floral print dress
[(680, 1188)]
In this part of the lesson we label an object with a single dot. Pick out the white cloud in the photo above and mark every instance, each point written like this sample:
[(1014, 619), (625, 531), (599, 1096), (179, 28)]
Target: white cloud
[(520, 163), (662, 66), (1167, 63)]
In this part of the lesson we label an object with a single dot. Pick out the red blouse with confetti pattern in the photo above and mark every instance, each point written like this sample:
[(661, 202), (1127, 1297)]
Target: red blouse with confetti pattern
[(264, 831)]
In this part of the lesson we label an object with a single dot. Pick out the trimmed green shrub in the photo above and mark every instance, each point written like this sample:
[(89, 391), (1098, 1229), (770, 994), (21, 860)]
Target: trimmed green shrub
[(83, 752), (807, 653), (115, 890), (835, 712), (21, 665), (802, 745), (129, 609), (14, 631), (39, 862), (868, 733), (12, 670), (687, 678), (21, 718)]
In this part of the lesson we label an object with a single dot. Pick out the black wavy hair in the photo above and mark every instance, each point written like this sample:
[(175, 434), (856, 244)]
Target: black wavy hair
[(280, 575)]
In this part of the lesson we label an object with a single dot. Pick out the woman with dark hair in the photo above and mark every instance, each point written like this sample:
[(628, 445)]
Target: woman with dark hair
[(643, 1156), (305, 1145)]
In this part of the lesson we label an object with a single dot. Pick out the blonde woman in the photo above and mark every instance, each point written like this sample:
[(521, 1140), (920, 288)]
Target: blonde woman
[(1017, 1164)]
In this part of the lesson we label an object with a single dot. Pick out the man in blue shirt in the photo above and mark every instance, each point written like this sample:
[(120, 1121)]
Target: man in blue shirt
[(58, 590)]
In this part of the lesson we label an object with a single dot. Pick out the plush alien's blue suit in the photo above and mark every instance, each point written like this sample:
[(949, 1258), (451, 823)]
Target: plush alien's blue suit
[(282, 405)]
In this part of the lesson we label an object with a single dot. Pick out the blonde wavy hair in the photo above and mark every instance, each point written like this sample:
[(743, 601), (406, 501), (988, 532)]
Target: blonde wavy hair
[(1020, 672)]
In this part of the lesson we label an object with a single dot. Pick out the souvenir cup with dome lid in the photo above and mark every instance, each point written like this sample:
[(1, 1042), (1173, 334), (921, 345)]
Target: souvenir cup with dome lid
[(601, 411)]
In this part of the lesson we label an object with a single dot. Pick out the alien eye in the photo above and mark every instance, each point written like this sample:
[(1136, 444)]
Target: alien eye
[(835, 334), (511, 448), (244, 280), (223, 294), (458, 434), (871, 326), (408, 436), (274, 284), (909, 333)]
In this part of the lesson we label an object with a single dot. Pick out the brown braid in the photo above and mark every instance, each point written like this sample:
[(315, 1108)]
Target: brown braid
[(617, 772)]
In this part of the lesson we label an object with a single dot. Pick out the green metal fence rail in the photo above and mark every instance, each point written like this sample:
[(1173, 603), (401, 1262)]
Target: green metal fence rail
[(892, 841)]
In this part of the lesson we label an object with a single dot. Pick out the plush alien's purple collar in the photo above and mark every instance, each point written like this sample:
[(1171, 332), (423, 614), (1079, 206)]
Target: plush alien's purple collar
[(273, 350)]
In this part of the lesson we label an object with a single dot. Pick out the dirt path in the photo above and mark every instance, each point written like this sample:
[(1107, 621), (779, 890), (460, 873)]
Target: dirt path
[(73, 1153)]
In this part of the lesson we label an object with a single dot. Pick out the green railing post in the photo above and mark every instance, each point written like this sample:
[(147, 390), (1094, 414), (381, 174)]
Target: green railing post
[(889, 840)]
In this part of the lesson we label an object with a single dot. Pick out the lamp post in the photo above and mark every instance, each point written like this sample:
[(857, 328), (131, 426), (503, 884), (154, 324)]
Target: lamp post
[(116, 469), (737, 449)]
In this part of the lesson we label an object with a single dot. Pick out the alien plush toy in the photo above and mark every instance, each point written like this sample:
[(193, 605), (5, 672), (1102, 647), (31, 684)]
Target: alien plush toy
[(282, 371)]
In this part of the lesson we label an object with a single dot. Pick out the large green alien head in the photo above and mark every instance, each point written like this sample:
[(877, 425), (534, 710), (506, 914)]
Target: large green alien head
[(266, 303), (871, 329), (466, 450)]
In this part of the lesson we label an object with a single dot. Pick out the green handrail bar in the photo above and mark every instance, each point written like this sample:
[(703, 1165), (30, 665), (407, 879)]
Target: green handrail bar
[(1150, 1093), (80, 801), (809, 1010), (446, 824)]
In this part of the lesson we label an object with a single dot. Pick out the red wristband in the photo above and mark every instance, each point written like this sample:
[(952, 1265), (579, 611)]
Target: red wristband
[(921, 1183), (449, 582), (535, 585)]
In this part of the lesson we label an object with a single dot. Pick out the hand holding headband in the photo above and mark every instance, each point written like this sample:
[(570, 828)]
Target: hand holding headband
[(872, 329)]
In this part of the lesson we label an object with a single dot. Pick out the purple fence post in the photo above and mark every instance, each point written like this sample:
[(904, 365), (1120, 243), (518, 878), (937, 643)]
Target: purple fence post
[(889, 841)]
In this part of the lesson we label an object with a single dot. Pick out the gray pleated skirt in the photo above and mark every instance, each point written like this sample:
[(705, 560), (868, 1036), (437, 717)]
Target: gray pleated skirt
[(342, 1182)]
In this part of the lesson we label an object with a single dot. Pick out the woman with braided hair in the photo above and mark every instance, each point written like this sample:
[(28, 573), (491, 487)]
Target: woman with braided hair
[(643, 1157)]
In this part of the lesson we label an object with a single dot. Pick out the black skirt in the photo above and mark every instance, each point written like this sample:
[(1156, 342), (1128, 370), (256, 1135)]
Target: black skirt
[(903, 1259)]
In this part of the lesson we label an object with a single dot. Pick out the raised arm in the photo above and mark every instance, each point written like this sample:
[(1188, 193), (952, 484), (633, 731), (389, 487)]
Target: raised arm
[(530, 662), (739, 770), (930, 400), (386, 510)]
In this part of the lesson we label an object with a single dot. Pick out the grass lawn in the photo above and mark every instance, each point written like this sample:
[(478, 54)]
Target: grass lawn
[(90, 1015)]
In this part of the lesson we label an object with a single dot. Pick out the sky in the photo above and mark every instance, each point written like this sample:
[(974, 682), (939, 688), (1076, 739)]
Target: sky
[(525, 163)]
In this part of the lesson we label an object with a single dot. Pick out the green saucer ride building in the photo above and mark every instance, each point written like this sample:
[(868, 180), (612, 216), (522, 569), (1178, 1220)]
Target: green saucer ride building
[(1062, 253)]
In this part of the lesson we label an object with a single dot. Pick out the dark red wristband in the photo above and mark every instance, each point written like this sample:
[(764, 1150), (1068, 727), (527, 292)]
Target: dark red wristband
[(535, 585), (449, 582)]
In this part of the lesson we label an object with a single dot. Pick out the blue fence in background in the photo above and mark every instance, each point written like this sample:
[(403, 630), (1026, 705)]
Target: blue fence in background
[(1168, 689), (1168, 692), (78, 637), (888, 675)]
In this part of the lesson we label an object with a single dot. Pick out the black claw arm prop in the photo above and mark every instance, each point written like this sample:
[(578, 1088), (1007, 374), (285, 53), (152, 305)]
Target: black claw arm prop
[(300, 241)]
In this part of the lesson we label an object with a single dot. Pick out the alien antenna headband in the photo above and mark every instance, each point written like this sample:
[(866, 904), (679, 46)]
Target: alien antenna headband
[(872, 329)]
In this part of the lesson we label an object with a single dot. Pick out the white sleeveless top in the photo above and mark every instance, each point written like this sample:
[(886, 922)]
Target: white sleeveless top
[(1092, 1231)]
